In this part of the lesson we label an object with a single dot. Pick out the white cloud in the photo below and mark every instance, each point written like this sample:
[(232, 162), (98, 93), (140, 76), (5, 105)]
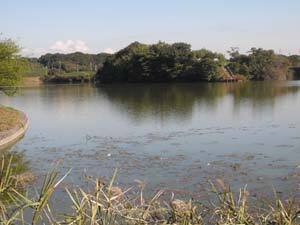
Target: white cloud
[(109, 50), (61, 46), (70, 46), (58, 47), (30, 52)]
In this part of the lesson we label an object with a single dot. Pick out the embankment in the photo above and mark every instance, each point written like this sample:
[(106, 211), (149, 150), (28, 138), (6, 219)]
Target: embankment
[(13, 125)]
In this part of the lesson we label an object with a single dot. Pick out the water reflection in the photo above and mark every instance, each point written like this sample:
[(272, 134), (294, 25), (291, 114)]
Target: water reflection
[(163, 101), (160, 102), (262, 93), (171, 135)]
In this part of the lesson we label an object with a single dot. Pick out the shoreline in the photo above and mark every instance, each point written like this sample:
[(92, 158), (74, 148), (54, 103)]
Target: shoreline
[(14, 134), (32, 81)]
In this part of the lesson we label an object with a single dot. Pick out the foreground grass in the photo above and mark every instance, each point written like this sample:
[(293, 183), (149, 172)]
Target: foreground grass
[(9, 119), (106, 204)]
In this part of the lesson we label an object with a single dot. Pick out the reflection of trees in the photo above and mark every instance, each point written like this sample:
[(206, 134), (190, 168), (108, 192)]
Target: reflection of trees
[(260, 94), (9, 91), (179, 100), (65, 93), (58, 98), (161, 100)]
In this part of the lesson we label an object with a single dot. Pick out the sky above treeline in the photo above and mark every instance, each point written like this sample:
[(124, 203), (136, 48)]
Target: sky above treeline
[(94, 26)]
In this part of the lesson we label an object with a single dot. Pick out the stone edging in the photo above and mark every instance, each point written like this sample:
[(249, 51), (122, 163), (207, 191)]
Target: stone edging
[(13, 135)]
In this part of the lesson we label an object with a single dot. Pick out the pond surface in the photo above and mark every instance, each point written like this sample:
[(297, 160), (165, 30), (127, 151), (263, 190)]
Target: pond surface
[(173, 136)]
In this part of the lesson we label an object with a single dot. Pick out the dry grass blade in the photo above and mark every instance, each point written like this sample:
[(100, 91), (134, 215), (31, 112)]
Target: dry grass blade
[(49, 185), (109, 205)]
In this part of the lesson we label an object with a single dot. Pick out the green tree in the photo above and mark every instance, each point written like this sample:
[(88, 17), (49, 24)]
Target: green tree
[(161, 62), (259, 64), (295, 60), (73, 62), (11, 64)]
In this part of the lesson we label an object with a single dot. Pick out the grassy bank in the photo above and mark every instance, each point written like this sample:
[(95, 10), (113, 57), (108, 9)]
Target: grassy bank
[(9, 119), (106, 204), (32, 81)]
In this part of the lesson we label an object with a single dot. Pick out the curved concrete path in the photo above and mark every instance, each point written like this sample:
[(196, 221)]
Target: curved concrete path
[(11, 136)]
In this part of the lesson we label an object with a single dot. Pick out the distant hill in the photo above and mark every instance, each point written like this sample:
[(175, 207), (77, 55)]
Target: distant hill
[(73, 62), (163, 62)]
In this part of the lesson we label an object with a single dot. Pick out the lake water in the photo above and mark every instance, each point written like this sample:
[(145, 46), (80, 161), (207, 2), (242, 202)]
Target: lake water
[(174, 136)]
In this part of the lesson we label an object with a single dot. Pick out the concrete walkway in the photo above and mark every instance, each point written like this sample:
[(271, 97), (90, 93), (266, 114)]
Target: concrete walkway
[(11, 136)]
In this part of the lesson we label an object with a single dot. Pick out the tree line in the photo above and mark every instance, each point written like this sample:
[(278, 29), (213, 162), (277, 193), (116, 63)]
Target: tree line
[(164, 62), (159, 62), (73, 62)]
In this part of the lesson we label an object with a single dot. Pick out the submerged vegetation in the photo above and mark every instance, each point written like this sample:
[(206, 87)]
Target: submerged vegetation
[(106, 204)]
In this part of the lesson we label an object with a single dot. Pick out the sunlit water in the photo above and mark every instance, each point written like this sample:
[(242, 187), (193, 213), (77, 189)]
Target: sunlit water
[(169, 136)]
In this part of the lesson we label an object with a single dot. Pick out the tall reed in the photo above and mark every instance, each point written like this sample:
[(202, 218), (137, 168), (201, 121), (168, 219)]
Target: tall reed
[(107, 204)]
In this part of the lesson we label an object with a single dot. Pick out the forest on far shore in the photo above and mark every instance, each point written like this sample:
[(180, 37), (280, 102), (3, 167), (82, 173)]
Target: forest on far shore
[(177, 62), (161, 62)]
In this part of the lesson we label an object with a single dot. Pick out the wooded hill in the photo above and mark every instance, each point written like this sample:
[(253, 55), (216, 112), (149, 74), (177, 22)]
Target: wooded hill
[(177, 62), (164, 62), (73, 62)]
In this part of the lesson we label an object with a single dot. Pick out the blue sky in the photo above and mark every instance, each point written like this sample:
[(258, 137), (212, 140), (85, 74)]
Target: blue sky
[(108, 25)]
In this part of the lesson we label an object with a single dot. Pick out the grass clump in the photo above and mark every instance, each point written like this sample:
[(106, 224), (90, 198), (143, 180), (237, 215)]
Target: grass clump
[(106, 204)]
